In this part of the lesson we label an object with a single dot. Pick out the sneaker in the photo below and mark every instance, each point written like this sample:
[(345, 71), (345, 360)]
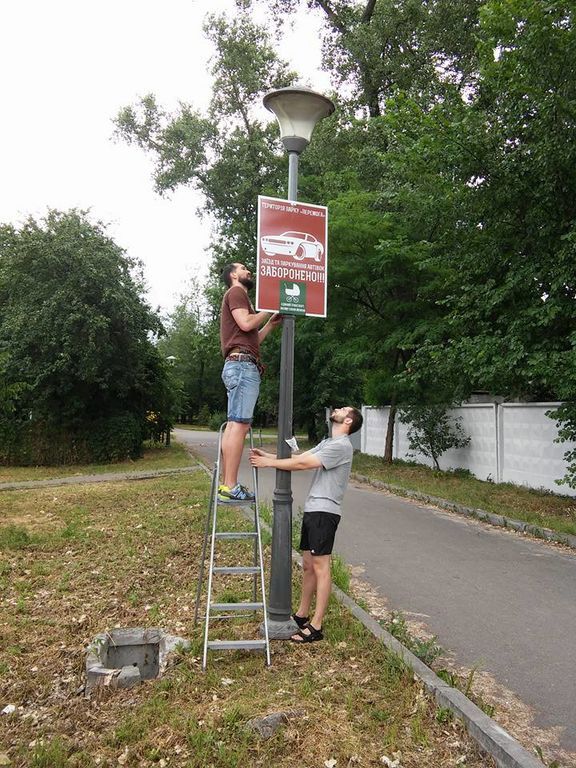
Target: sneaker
[(223, 492), (238, 493)]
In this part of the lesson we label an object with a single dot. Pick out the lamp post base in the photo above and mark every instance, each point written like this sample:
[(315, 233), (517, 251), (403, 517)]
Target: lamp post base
[(280, 630)]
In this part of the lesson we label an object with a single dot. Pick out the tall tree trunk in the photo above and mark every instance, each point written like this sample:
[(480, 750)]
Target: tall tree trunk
[(389, 447)]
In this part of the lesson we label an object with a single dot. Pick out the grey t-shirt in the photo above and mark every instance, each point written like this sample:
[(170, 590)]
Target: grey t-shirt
[(330, 480)]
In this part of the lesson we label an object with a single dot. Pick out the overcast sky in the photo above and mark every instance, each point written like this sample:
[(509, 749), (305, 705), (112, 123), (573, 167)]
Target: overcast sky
[(68, 66)]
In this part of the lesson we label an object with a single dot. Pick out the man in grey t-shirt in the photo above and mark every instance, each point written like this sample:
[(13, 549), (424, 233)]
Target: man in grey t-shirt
[(332, 461)]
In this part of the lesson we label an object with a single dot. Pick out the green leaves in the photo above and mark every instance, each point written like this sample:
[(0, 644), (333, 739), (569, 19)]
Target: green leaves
[(74, 329)]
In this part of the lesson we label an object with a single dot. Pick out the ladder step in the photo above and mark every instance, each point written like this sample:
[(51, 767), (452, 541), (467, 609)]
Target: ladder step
[(237, 645), (237, 503), (236, 569), (236, 606), (236, 535)]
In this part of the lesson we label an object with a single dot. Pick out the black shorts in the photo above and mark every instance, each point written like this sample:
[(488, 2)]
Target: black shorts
[(318, 532)]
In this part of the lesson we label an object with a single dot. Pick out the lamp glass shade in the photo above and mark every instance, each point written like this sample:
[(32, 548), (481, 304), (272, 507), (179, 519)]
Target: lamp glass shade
[(297, 111)]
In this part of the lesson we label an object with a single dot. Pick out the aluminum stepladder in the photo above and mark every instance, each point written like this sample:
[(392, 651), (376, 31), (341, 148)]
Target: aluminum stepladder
[(256, 570)]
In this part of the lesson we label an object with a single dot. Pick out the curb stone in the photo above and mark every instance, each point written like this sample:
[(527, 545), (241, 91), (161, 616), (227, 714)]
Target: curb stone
[(491, 737), (108, 477), (479, 514)]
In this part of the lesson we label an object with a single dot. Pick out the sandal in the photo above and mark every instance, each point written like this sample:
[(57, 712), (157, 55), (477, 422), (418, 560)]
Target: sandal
[(301, 620), (312, 636)]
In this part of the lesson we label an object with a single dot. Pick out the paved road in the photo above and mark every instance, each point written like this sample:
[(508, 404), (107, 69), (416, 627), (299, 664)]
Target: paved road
[(494, 599)]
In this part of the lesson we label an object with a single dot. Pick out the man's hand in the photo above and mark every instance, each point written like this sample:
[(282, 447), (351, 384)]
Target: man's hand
[(259, 458), (276, 319)]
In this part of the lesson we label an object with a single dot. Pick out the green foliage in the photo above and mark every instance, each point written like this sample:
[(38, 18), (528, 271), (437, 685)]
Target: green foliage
[(228, 154), (426, 650), (78, 371), (566, 422), (217, 419), (449, 169), (50, 754), (38, 443), (432, 431), (340, 573), (192, 342)]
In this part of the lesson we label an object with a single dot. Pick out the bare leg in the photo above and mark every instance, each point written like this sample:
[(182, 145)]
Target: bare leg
[(323, 576), (232, 447), (323, 585), (308, 584)]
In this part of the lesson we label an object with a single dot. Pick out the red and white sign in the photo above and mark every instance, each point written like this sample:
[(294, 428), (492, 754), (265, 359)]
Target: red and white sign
[(292, 256)]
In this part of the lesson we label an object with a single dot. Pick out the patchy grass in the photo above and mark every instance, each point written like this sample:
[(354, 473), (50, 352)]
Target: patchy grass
[(155, 457), (541, 508), (88, 558)]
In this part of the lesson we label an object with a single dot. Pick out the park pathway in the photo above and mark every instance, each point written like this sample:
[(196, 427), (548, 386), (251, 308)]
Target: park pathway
[(495, 599)]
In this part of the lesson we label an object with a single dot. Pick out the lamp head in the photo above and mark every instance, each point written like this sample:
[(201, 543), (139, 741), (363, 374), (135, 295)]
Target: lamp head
[(297, 111)]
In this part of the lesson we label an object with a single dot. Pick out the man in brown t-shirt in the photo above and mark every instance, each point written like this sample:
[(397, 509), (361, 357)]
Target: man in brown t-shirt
[(240, 337)]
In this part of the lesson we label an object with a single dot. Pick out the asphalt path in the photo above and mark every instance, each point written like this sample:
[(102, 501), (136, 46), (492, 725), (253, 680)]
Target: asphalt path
[(496, 600)]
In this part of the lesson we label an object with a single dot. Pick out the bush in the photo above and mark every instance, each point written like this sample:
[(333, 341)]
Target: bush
[(216, 420), (116, 438), (35, 443), (203, 416)]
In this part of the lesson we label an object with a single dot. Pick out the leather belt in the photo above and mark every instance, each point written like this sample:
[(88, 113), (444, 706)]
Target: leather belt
[(241, 357)]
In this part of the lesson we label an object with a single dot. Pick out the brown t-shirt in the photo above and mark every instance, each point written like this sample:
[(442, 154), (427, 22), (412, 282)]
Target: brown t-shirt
[(231, 335)]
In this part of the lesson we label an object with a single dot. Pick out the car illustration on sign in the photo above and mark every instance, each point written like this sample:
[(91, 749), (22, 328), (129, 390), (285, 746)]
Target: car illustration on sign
[(300, 245)]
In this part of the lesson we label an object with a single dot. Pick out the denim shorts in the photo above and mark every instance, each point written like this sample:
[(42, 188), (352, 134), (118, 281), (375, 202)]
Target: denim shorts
[(242, 381)]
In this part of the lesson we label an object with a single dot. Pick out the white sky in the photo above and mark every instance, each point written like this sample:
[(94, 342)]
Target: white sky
[(68, 66)]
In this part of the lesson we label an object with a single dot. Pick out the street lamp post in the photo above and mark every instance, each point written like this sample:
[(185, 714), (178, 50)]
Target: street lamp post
[(297, 111)]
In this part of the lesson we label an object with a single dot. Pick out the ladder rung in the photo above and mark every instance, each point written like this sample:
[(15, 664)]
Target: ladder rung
[(237, 503), (239, 569), (236, 606), (236, 535), (237, 645)]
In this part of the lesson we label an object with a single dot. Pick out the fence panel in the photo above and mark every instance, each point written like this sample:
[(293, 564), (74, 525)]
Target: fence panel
[(480, 456), (529, 454), (374, 430), (513, 442)]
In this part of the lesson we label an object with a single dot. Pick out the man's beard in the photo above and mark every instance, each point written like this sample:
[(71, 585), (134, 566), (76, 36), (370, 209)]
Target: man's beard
[(334, 419), (247, 282)]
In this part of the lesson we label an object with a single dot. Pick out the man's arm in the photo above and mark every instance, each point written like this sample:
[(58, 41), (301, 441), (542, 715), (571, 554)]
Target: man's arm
[(247, 321), (270, 325), (306, 460)]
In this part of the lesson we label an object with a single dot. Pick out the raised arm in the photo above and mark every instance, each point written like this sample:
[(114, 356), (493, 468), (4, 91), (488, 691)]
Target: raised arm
[(247, 321)]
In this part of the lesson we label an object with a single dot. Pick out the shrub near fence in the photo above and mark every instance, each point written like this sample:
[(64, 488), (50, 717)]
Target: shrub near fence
[(510, 442)]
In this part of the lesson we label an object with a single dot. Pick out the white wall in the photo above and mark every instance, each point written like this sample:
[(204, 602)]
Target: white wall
[(512, 442)]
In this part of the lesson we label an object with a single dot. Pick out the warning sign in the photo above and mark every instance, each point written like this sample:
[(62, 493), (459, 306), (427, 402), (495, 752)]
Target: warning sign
[(292, 257)]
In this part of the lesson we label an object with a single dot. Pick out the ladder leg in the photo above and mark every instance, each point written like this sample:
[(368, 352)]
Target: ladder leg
[(214, 510), (205, 543)]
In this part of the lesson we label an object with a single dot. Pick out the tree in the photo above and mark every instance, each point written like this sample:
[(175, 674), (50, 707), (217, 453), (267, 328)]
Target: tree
[(75, 330), (377, 48), (228, 154), (511, 310), (432, 431), (192, 340)]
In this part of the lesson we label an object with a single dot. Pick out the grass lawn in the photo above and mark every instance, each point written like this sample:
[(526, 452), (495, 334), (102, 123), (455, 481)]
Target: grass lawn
[(78, 560), (155, 457), (537, 507)]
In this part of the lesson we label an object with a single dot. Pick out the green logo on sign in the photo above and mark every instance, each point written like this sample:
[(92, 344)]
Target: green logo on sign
[(292, 298)]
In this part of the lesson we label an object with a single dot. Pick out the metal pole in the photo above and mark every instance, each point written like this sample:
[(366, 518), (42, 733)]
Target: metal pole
[(280, 625)]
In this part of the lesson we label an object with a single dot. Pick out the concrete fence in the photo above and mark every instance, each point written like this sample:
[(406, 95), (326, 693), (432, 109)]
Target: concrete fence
[(511, 442)]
